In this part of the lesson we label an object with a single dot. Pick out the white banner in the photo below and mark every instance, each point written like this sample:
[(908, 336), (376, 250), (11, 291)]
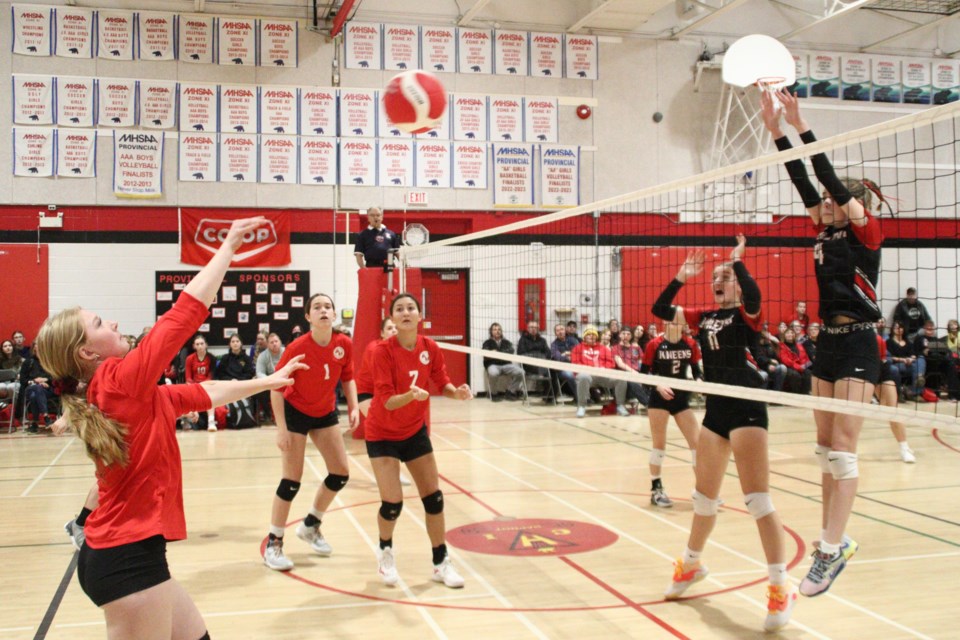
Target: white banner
[(361, 42), (74, 32), (278, 42), (401, 46), (469, 165), (33, 152), (511, 53), (506, 118), (855, 77), (33, 99), (77, 153), (475, 51), (195, 38), (802, 67), (540, 121), (546, 54), (318, 161), (138, 164), (438, 46), (157, 104), (238, 108), (32, 28), (156, 40), (278, 159), (581, 55), (395, 160), (76, 98), (198, 160), (198, 106), (358, 113), (237, 41), (559, 176), (278, 109), (916, 82), (442, 130), (433, 164), (470, 115), (358, 163), (118, 106), (238, 157), (946, 81), (887, 82), (824, 75), (513, 175), (318, 111), (115, 34)]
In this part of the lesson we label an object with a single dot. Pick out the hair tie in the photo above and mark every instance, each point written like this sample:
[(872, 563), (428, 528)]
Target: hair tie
[(68, 385)]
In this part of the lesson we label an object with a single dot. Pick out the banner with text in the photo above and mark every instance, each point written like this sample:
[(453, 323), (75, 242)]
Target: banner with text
[(916, 82), (358, 163), (470, 115), (278, 43), (401, 46), (470, 165), (118, 104), (318, 111), (115, 34), (358, 113), (74, 32), (202, 231), (76, 98), (541, 120), (239, 157), (196, 38), (511, 53), (138, 165), (559, 176), (237, 41), (438, 46), (475, 51), (238, 108), (278, 159), (580, 53), (157, 104), (33, 152), (361, 42), (433, 164), (77, 153), (395, 160), (546, 55), (318, 161), (198, 160), (513, 175), (156, 40), (278, 109), (198, 106), (33, 99), (32, 28), (506, 118)]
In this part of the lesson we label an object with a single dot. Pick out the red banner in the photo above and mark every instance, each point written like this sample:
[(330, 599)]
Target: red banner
[(202, 232)]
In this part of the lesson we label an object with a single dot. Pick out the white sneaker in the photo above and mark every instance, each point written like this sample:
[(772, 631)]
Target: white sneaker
[(781, 599), (683, 578), (273, 556), (445, 573), (75, 532), (581, 412), (211, 426), (404, 481), (387, 567), (622, 410), (314, 538), (907, 455)]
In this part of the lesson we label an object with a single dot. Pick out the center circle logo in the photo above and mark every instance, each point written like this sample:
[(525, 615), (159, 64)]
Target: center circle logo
[(531, 537), (424, 357), (338, 353)]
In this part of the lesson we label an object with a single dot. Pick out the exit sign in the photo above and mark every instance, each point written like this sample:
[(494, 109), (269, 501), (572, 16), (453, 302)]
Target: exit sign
[(417, 198)]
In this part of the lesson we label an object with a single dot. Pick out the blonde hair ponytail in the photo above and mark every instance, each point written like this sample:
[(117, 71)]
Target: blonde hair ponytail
[(104, 438)]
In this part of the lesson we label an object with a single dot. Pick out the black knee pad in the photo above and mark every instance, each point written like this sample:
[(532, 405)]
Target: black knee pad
[(335, 482), (287, 490), (205, 636), (433, 503), (390, 511)]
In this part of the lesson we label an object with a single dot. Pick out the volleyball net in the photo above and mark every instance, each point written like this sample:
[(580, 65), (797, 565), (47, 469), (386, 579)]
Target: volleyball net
[(610, 259)]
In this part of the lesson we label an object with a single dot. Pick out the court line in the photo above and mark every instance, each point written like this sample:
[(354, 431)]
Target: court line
[(936, 436), (54, 605), (922, 556), (47, 468)]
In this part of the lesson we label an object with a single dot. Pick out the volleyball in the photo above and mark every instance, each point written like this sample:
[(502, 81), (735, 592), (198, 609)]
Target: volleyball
[(415, 101)]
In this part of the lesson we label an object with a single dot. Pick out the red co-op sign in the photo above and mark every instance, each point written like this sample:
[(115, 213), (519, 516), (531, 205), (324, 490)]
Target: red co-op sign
[(267, 245)]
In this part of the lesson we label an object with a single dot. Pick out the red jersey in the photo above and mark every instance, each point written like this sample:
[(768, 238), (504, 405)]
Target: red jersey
[(596, 356), (145, 497), (314, 391), (197, 371), (395, 369), (882, 347), (365, 374), (671, 359)]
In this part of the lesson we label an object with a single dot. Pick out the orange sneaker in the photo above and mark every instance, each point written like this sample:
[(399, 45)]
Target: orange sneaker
[(780, 602), (683, 578)]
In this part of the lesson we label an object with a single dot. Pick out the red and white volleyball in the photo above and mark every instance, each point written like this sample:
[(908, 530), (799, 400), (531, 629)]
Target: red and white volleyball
[(415, 101)]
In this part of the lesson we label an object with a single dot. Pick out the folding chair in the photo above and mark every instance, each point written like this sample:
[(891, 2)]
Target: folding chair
[(10, 404)]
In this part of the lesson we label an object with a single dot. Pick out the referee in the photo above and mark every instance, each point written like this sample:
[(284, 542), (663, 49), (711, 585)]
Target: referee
[(375, 241)]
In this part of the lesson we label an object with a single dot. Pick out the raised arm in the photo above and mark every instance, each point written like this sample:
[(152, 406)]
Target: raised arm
[(770, 112), (664, 307), (748, 286), (206, 283)]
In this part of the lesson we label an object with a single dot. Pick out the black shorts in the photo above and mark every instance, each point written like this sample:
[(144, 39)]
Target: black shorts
[(680, 402), (403, 450), (724, 414), (364, 396), (300, 422), (848, 351), (110, 574)]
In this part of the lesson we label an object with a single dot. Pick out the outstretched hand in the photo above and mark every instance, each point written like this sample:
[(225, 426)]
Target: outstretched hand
[(692, 266), (463, 392), (239, 229), (770, 111), (284, 377), (740, 249), (791, 110)]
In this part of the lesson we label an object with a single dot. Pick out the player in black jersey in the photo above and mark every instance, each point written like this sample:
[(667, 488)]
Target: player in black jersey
[(847, 264), (731, 424), (670, 355)]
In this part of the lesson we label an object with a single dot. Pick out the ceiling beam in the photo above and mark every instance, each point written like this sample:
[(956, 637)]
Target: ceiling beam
[(903, 34), (732, 4), (472, 12), (832, 13), (593, 13)]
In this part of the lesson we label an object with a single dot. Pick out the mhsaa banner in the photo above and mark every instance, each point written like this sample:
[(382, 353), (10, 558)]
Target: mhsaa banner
[(202, 231)]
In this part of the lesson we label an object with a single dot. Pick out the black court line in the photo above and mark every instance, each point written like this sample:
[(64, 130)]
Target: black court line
[(34, 545), (57, 599)]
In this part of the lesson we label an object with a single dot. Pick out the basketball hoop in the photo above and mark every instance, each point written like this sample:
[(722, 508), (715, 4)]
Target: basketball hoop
[(759, 60)]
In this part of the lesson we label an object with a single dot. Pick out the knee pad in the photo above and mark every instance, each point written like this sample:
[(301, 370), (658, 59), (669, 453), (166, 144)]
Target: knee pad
[(657, 456), (335, 482), (287, 490), (704, 506), (206, 636), (390, 511), (821, 452), (433, 503), (843, 465), (759, 504)]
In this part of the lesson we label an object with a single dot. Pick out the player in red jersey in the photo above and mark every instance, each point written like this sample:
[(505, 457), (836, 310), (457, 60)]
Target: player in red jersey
[(199, 368), (309, 408), (127, 423), (396, 432)]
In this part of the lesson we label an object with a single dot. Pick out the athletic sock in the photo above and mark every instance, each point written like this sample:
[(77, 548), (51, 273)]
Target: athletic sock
[(439, 553), (82, 518), (829, 549), (313, 518), (386, 544), (903, 446), (276, 532), (777, 573), (690, 556)]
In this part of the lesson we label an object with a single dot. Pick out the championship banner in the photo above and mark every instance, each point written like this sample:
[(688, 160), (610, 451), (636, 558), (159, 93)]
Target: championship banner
[(946, 81), (801, 88), (118, 101), (887, 84), (278, 159), (511, 53), (33, 152), (33, 99), (541, 121), (395, 163), (198, 160), (916, 82), (559, 176), (318, 161), (138, 164), (198, 106), (157, 104), (156, 40), (387, 129), (470, 115), (506, 118), (74, 32), (278, 43), (438, 47), (76, 98), (115, 34), (513, 175), (469, 165), (32, 28), (196, 38), (77, 153), (441, 131), (855, 77), (238, 157), (475, 51), (433, 164), (581, 55), (358, 113), (202, 231), (278, 110), (238, 108), (361, 42), (824, 75), (237, 41), (546, 54), (401, 46), (318, 112), (358, 163)]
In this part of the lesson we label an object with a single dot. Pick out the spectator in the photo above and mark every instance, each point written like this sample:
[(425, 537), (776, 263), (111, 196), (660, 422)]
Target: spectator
[(640, 337), (952, 338), (606, 338), (269, 357), (591, 354), (20, 345), (938, 366), (809, 343), (259, 346), (781, 329), (767, 356), (375, 242), (799, 330), (560, 350), (199, 367), (652, 331), (903, 359), (571, 331), (882, 329), (533, 345), (798, 364), (296, 332), (10, 360), (235, 364), (912, 314), (39, 391), (800, 315), (613, 326), (511, 372), (627, 356)]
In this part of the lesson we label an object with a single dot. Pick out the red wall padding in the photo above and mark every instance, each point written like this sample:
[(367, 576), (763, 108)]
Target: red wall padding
[(25, 286)]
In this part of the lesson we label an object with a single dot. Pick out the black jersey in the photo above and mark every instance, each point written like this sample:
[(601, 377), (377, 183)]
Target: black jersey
[(847, 264), (374, 245), (671, 359), (725, 337)]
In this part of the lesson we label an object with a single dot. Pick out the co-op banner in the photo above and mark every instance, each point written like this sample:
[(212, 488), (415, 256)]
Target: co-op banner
[(202, 232)]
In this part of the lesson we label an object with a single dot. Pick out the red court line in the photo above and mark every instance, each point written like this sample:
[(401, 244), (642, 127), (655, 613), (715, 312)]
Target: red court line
[(936, 436), (470, 495)]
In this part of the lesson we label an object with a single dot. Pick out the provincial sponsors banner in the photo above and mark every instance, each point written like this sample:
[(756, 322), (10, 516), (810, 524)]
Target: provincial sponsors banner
[(887, 83), (318, 111), (157, 104), (238, 108), (278, 159), (358, 113), (278, 109), (560, 176), (513, 175), (470, 116), (540, 120), (581, 55), (511, 51), (237, 41), (401, 46), (138, 164), (855, 77), (239, 157), (469, 165), (438, 46), (433, 164), (278, 43), (358, 163), (33, 99), (546, 54), (32, 28), (77, 153), (198, 106), (506, 118), (196, 38), (198, 160), (117, 102), (156, 40), (76, 98), (916, 82), (395, 162), (361, 42), (115, 34), (475, 51), (74, 32), (33, 152), (202, 231), (318, 161)]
